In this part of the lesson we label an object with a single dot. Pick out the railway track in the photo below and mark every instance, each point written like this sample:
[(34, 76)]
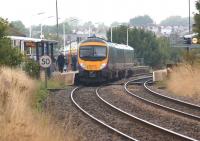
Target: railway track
[(171, 104), (184, 103), (125, 124), (98, 120), (171, 98)]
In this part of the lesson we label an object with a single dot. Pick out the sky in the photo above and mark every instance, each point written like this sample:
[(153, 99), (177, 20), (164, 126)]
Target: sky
[(97, 11)]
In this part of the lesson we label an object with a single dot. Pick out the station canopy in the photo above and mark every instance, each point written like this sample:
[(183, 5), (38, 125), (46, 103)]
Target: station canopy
[(31, 39)]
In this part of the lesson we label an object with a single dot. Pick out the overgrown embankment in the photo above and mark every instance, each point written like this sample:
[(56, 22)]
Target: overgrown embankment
[(184, 81), (19, 121)]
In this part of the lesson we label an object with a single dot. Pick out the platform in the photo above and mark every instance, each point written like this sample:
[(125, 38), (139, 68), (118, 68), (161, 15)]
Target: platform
[(67, 77)]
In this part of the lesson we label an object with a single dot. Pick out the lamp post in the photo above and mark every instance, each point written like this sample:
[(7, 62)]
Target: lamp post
[(64, 40), (64, 35), (30, 29), (57, 18), (71, 20), (189, 17), (41, 25), (127, 36), (96, 25), (111, 31), (89, 30), (63, 32)]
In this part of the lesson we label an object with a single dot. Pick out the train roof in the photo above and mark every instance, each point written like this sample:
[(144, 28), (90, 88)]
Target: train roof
[(94, 39), (119, 46)]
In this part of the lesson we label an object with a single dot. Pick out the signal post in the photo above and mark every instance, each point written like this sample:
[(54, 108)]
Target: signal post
[(45, 62)]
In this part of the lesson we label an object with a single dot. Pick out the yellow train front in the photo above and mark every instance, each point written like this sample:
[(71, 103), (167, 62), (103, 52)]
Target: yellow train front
[(99, 60)]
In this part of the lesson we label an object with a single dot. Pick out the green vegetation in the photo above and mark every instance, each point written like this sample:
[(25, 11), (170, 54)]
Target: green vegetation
[(42, 93), (155, 51), (12, 57), (32, 68), (141, 21), (192, 58), (161, 84), (56, 84), (196, 27), (8, 56), (19, 26)]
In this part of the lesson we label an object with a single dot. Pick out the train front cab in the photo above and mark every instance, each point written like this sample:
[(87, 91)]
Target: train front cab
[(93, 61)]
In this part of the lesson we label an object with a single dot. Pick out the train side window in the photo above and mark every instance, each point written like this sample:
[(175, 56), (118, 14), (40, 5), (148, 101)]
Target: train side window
[(112, 53)]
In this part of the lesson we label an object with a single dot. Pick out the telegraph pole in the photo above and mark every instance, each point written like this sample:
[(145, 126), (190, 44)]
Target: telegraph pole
[(111, 34), (188, 48), (127, 36), (57, 18), (189, 16)]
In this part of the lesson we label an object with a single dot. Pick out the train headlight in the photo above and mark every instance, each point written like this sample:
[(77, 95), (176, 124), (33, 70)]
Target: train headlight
[(102, 66), (83, 65)]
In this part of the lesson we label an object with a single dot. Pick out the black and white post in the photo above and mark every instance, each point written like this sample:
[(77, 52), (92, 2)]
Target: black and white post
[(45, 62)]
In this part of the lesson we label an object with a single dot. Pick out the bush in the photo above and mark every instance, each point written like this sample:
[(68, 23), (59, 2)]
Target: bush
[(32, 68), (192, 57), (8, 56)]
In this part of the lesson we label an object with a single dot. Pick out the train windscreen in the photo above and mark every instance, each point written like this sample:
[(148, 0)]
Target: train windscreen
[(92, 53)]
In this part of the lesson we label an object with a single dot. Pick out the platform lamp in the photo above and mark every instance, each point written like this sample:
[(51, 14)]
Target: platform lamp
[(30, 29)]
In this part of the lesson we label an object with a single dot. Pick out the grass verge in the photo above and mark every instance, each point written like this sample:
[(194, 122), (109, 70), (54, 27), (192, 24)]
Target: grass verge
[(18, 120), (184, 81), (42, 93)]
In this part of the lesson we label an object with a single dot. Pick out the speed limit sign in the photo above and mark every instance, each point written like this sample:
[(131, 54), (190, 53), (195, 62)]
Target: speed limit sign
[(45, 61)]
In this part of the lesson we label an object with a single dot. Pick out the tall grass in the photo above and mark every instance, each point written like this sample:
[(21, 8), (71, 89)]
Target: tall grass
[(18, 121), (184, 80)]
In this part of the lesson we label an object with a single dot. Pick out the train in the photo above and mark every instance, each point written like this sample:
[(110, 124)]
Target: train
[(99, 60)]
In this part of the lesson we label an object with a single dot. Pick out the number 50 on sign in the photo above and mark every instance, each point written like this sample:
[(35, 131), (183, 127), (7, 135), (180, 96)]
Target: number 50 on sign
[(45, 61)]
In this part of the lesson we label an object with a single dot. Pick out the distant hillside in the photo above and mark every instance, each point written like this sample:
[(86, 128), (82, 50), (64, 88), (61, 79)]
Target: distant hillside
[(141, 21), (17, 28), (176, 21), (11, 31)]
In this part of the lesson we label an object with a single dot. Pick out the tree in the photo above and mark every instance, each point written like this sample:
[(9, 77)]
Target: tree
[(118, 34), (19, 26), (196, 28), (8, 56), (115, 23), (155, 51), (141, 21)]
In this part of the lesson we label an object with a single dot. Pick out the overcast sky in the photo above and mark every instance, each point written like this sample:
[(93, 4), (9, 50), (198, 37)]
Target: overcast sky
[(106, 11)]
